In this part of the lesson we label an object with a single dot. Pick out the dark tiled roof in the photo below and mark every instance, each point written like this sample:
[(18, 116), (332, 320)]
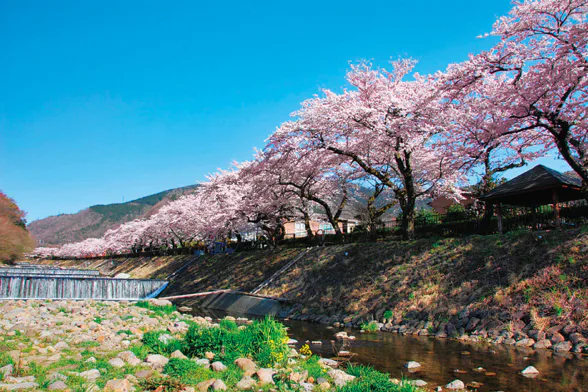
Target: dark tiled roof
[(536, 179)]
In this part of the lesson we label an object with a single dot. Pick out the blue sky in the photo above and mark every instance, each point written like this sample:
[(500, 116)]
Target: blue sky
[(112, 99)]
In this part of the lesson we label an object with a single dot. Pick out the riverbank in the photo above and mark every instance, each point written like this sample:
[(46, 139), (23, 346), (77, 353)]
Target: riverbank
[(149, 346), (524, 289)]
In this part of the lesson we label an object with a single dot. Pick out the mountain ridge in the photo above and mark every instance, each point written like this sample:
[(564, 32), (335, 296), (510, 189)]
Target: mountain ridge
[(94, 221)]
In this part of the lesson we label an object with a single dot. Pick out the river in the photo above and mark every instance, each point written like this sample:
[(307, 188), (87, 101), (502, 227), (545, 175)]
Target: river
[(445, 360)]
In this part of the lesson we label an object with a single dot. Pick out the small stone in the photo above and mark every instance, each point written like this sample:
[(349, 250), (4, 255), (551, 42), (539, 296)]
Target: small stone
[(557, 337), (117, 362), (412, 365), (57, 386), (160, 302), (328, 362), (418, 383), (16, 387), (7, 370), (61, 346), (218, 366), (265, 376), (156, 360), (90, 375), (545, 343), (562, 346), (455, 384), (142, 374), (246, 383), (204, 385), (118, 386), (219, 385), (208, 355), (528, 342), (529, 370), (178, 354), (247, 365), (340, 378)]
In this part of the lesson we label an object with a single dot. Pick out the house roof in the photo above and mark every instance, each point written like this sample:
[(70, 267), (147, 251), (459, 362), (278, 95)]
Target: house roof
[(535, 187)]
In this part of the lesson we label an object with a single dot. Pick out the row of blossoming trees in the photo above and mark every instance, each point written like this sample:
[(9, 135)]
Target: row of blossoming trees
[(398, 134)]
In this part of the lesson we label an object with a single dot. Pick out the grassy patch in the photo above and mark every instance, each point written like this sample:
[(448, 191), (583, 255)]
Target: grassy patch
[(158, 310), (370, 380), (264, 340)]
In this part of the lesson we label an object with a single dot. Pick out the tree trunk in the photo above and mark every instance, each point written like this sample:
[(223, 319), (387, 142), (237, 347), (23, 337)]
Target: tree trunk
[(407, 221), (308, 227)]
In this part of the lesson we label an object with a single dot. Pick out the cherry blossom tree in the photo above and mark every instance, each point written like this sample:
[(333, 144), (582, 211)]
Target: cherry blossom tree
[(317, 179), (474, 134), (386, 126), (542, 60)]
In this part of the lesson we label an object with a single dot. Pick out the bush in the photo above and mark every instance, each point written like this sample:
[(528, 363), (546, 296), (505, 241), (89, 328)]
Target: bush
[(264, 340), (372, 326)]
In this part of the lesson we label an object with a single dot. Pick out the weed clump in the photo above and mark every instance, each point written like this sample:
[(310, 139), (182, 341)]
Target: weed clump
[(265, 341), (158, 310)]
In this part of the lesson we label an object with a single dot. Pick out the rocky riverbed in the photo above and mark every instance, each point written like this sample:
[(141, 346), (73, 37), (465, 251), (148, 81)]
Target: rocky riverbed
[(101, 346)]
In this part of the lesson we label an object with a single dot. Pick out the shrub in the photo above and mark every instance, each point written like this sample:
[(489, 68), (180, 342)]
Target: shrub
[(372, 326), (388, 314), (264, 340)]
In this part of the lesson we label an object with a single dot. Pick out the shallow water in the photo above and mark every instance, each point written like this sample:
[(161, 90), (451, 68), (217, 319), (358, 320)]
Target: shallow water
[(388, 352)]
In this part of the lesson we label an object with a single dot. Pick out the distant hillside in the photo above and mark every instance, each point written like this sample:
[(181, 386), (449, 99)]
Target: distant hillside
[(94, 221)]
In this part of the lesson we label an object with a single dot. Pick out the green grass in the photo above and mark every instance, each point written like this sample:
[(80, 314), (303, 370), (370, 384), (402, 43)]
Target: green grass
[(370, 380), (156, 346), (314, 368), (88, 344), (158, 310), (264, 340)]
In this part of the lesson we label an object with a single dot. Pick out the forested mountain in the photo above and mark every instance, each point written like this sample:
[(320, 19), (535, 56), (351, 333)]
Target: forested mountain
[(14, 237), (94, 221)]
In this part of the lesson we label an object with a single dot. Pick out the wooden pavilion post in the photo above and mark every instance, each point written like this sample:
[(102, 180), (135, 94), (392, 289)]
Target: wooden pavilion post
[(499, 214), (556, 212)]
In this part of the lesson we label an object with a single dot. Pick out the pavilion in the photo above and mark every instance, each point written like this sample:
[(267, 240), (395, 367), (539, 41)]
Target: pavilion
[(536, 187)]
